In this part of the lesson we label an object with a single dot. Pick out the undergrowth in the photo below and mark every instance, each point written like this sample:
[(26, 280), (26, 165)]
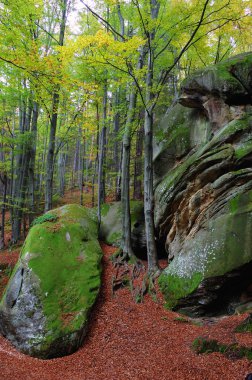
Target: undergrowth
[(233, 351)]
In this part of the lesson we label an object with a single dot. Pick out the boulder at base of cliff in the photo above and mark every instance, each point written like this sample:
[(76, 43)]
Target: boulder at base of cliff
[(111, 225), (44, 310), (203, 202)]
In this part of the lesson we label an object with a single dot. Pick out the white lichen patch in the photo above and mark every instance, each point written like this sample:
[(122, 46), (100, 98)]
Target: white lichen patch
[(201, 258)]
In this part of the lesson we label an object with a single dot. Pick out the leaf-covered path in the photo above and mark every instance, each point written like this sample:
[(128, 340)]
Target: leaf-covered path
[(133, 341)]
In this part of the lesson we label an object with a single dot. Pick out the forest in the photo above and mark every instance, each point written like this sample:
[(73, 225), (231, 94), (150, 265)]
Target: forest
[(126, 123)]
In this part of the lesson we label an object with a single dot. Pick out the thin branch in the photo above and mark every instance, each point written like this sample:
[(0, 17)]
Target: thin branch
[(107, 24), (163, 49), (136, 3), (48, 33), (186, 46)]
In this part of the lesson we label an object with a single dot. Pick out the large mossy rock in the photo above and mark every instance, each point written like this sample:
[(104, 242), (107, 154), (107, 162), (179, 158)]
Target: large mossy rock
[(111, 225), (44, 310), (203, 198)]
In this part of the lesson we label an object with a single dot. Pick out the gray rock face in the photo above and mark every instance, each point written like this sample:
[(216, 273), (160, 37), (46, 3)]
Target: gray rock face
[(203, 193), (111, 226)]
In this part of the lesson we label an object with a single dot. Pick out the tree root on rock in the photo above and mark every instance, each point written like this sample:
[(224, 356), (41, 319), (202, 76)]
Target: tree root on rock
[(131, 272)]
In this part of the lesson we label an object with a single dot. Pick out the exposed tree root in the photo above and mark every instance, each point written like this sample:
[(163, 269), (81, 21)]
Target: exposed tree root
[(130, 272)]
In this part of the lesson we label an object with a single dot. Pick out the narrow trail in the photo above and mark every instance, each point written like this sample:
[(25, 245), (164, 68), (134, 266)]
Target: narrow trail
[(132, 341)]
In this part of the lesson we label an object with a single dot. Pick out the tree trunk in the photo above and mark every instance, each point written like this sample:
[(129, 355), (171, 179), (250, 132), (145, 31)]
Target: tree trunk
[(101, 156), (21, 171), (148, 193), (2, 236), (126, 219), (53, 121), (61, 173), (117, 144), (138, 167), (96, 158), (148, 153), (34, 126)]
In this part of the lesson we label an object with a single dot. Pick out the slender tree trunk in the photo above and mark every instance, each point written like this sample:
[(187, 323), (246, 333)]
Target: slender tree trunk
[(2, 235), (21, 172), (148, 154), (138, 167), (116, 155), (119, 178), (126, 219), (53, 122), (96, 158), (50, 153), (81, 178), (34, 127), (61, 173), (101, 156), (148, 193)]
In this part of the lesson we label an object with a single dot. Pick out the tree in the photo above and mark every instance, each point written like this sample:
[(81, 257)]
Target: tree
[(170, 40)]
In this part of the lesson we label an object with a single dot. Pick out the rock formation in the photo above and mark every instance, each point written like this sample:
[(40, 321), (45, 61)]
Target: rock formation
[(111, 226), (203, 189), (45, 307)]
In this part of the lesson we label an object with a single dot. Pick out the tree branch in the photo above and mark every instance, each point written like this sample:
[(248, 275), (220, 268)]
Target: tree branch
[(104, 22)]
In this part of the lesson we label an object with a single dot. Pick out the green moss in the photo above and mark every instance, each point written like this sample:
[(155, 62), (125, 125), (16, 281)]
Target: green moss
[(44, 218), (241, 203), (66, 259), (174, 287), (245, 326), (105, 209), (243, 150), (203, 345)]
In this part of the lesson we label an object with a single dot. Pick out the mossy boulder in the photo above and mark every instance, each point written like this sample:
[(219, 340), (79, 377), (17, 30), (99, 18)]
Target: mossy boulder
[(44, 310), (111, 225), (203, 201)]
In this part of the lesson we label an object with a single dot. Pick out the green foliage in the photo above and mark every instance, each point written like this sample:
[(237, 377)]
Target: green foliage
[(203, 345), (44, 218), (245, 326)]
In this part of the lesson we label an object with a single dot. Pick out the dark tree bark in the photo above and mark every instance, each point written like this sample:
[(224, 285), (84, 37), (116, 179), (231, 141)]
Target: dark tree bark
[(53, 121)]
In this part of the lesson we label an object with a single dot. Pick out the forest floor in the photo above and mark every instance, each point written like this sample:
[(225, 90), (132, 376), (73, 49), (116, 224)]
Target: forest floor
[(133, 341)]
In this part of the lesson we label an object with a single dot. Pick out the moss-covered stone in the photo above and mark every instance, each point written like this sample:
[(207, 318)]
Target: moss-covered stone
[(45, 307), (228, 79), (111, 224), (174, 287)]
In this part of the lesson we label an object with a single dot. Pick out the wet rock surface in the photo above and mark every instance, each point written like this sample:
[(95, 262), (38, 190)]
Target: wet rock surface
[(203, 194)]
